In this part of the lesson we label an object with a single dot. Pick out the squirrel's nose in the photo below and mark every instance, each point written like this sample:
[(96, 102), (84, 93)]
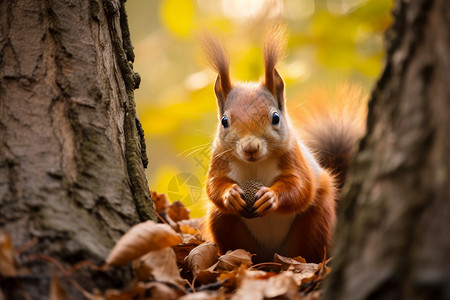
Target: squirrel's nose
[(250, 148)]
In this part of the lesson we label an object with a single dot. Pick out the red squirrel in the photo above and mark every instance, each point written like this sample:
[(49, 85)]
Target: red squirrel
[(255, 140)]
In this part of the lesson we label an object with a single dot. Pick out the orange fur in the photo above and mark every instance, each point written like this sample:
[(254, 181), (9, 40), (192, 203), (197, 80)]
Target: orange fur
[(297, 204)]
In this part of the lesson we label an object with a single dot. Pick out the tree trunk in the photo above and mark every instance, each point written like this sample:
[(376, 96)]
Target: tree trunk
[(72, 155), (392, 239)]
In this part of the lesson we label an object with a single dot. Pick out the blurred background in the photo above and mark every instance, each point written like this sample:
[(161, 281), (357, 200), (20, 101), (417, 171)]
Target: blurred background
[(330, 42)]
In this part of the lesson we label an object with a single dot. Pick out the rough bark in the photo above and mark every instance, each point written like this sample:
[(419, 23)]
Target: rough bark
[(392, 240), (72, 154)]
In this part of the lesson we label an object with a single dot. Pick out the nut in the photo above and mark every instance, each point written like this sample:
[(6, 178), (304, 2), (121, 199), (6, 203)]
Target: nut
[(250, 188)]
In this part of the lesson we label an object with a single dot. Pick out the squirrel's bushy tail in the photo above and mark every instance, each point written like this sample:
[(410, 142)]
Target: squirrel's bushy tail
[(332, 122)]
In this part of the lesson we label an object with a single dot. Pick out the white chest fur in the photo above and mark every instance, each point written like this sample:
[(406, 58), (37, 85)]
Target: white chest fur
[(272, 229), (265, 171)]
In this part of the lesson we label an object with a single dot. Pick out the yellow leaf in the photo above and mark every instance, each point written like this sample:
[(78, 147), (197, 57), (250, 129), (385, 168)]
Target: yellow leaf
[(178, 16)]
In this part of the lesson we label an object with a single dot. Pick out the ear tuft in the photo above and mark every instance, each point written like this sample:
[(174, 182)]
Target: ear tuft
[(274, 51), (217, 57)]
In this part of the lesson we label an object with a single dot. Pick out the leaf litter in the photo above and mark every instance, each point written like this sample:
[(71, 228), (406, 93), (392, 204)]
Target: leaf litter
[(171, 260)]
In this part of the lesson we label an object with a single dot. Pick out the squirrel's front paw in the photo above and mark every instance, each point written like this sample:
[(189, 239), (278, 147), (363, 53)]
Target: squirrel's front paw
[(232, 199), (267, 201)]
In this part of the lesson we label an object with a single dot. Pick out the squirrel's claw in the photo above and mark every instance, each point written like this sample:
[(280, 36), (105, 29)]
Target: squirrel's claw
[(233, 200), (267, 201)]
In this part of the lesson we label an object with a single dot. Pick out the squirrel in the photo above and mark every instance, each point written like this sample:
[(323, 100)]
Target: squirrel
[(255, 140)]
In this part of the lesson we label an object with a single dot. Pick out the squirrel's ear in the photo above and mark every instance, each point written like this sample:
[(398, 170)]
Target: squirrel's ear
[(274, 83), (217, 57), (222, 88), (274, 50)]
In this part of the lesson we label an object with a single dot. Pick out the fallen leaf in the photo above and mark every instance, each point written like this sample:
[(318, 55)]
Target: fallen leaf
[(233, 259), (300, 259), (282, 284), (161, 265), (232, 279), (202, 257), (57, 292), (287, 261), (132, 291), (7, 267), (204, 295), (188, 238), (182, 250), (229, 279), (160, 202), (207, 276), (196, 223), (322, 271), (141, 239), (178, 211), (250, 289), (314, 295), (158, 290), (188, 229), (151, 290)]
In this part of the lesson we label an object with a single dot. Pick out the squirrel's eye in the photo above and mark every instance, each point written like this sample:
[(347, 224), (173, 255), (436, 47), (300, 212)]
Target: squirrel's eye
[(275, 118), (225, 122)]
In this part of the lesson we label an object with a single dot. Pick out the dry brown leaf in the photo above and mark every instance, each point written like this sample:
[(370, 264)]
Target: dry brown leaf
[(282, 284), (182, 250), (196, 223), (232, 279), (188, 229), (207, 276), (250, 289), (178, 211), (233, 259), (134, 290), (152, 290), (314, 295), (229, 279), (160, 202), (299, 259), (161, 265), (204, 295), (139, 240), (322, 271), (283, 259), (202, 257), (7, 267), (287, 261), (160, 291), (188, 238), (57, 292), (155, 290)]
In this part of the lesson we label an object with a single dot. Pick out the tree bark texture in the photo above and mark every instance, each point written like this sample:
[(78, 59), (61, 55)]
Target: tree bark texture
[(72, 154), (393, 234)]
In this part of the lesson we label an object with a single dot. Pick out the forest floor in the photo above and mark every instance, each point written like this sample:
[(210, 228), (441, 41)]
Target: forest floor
[(171, 260)]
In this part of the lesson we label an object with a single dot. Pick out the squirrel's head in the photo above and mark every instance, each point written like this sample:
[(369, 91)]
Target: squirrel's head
[(252, 118), (253, 124)]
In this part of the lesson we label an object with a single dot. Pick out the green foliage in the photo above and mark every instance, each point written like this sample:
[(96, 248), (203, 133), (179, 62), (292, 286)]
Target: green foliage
[(330, 41)]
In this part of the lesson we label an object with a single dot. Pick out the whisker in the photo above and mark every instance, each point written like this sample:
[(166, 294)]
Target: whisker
[(222, 153), (195, 149)]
